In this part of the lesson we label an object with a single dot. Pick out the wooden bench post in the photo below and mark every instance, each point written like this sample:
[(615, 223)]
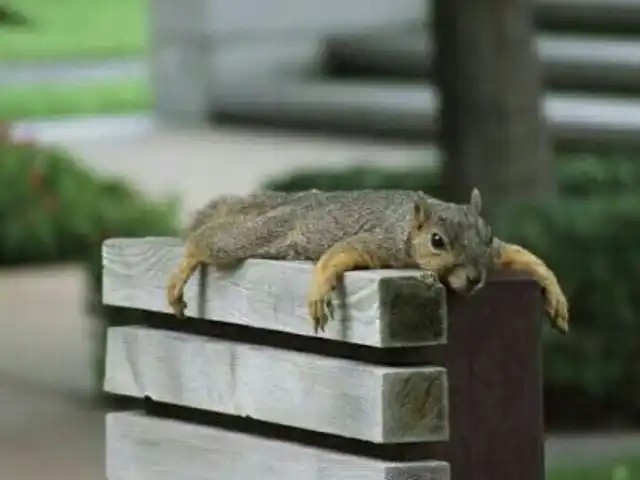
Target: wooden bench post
[(405, 384)]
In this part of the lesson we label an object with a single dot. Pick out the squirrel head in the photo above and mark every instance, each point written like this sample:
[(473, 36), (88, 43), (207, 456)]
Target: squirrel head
[(453, 241)]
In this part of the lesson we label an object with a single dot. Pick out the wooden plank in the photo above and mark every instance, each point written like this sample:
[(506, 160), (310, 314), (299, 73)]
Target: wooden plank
[(147, 448), (379, 308), (313, 392)]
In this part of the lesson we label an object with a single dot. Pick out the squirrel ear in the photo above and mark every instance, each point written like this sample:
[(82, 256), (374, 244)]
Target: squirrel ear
[(420, 214), (476, 201)]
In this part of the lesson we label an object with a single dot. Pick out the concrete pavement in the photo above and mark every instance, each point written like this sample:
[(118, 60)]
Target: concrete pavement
[(75, 72), (48, 435)]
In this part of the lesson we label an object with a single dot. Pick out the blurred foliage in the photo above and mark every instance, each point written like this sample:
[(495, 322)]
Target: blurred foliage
[(617, 468), (53, 209), (588, 236), (590, 242)]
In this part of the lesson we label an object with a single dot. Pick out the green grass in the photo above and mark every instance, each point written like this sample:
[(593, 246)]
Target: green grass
[(22, 102), (75, 29), (626, 468)]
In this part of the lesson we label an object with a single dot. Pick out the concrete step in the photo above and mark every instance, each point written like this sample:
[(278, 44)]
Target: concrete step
[(570, 62), (408, 111)]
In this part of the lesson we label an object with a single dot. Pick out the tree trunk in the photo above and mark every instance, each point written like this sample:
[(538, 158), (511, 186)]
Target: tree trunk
[(492, 132)]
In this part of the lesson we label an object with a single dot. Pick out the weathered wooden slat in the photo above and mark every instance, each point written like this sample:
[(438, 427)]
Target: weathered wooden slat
[(148, 448), (313, 392), (379, 308)]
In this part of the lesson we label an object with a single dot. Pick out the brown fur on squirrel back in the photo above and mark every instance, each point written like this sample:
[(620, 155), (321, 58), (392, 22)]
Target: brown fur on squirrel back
[(303, 225)]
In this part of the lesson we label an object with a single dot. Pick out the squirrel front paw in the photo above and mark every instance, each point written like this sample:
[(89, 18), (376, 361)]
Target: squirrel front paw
[(557, 308), (321, 311), (176, 301), (320, 305)]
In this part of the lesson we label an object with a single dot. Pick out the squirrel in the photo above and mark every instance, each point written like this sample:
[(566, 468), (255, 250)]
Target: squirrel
[(342, 231)]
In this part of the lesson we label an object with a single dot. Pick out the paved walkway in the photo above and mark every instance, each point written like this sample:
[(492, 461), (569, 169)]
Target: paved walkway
[(76, 72), (46, 435)]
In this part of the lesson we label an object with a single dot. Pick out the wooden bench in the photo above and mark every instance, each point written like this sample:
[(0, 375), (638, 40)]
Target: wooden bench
[(405, 384)]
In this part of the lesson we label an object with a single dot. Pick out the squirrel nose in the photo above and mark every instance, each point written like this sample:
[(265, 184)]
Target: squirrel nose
[(473, 281)]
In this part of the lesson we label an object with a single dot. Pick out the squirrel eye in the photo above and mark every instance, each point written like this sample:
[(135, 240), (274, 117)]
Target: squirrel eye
[(437, 242)]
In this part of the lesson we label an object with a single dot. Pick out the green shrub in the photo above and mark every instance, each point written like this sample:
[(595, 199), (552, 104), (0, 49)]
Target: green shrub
[(45, 206), (589, 237), (590, 243), (53, 209)]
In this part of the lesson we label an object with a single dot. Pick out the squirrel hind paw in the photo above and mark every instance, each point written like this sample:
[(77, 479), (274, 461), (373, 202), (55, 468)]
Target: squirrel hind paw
[(560, 321), (178, 305), (558, 309)]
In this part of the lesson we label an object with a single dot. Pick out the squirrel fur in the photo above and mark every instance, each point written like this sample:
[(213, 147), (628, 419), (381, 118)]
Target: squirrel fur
[(363, 229)]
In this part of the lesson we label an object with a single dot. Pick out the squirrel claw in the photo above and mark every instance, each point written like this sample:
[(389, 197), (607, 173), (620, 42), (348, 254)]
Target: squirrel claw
[(558, 310), (178, 305), (320, 311), (429, 277)]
